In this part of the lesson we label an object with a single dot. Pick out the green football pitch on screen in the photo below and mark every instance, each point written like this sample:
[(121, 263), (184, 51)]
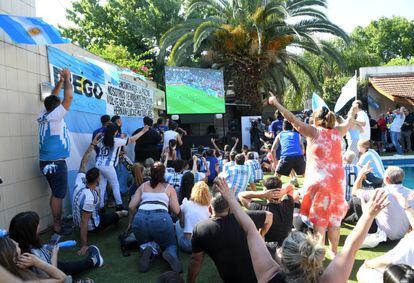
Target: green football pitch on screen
[(194, 91)]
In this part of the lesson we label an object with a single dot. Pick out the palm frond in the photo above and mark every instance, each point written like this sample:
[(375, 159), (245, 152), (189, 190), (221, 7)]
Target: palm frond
[(203, 31), (180, 48)]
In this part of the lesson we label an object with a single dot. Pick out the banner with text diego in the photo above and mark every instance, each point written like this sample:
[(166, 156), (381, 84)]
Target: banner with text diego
[(97, 91)]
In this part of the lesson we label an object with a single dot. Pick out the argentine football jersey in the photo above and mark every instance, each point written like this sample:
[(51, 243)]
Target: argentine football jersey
[(375, 161), (54, 143), (174, 179), (108, 156), (257, 169), (227, 165), (238, 177), (351, 173), (85, 199)]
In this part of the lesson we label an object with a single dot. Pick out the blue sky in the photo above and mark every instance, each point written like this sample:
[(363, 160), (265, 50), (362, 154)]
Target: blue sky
[(346, 13)]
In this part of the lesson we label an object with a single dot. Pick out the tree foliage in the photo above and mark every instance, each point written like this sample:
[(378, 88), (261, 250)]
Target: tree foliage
[(249, 40)]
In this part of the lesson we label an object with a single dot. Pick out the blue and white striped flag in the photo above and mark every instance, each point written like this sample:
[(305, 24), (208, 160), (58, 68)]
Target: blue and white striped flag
[(317, 102), (30, 30)]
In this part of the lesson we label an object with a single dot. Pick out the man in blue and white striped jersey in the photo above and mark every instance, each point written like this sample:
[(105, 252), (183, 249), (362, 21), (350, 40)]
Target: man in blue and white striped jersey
[(239, 176)]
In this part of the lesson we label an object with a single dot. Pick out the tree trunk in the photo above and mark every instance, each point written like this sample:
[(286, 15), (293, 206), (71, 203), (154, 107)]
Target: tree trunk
[(247, 92)]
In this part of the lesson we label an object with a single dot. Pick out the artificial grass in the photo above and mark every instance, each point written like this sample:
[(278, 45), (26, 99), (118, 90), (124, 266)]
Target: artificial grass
[(118, 268)]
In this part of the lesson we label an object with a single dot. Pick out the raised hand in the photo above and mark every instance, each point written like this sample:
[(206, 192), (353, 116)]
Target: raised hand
[(272, 100), (224, 189), (366, 168), (404, 202), (65, 74), (28, 260), (96, 139), (378, 202)]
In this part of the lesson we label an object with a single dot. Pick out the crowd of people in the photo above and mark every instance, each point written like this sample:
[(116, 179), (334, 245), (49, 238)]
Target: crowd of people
[(210, 205)]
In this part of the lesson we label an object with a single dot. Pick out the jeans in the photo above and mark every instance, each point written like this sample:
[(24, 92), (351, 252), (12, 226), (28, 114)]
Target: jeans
[(395, 139), (155, 225), (384, 139), (108, 174), (75, 267), (406, 139), (183, 242)]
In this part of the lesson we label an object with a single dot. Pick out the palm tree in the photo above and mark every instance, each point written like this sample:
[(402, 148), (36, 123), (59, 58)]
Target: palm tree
[(255, 42)]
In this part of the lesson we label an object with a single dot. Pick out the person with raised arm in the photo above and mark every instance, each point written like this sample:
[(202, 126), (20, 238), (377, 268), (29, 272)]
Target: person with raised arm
[(54, 147), (107, 159), (324, 199), (403, 253), (301, 255)]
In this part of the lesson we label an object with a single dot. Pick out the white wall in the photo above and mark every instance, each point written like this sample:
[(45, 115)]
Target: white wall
[(22, 68)]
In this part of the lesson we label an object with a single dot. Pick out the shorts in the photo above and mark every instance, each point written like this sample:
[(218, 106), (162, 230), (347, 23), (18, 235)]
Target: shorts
[(287, 163), (278, 152), (56, 173)]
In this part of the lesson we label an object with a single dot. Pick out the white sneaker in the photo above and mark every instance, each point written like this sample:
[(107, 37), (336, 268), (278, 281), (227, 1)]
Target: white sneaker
[(398, 155), (373, 240)]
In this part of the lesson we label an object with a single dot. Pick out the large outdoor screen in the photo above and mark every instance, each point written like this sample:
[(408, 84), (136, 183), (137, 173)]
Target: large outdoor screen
[(194, 91)]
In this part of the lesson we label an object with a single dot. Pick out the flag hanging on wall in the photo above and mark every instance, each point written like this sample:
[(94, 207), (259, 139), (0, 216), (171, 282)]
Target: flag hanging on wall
[(30, 30)]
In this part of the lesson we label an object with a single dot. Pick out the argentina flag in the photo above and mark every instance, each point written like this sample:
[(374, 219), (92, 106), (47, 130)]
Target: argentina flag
[(30, 30)]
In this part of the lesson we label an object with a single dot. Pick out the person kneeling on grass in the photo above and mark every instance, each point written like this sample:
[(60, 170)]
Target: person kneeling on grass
[(86, 202), (279, 202), (302, 255), (24, 229), (193, 211), (152, 224)]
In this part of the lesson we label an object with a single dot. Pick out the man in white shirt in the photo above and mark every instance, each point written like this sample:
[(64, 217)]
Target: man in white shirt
[(362, 120), (395, 129), (392, 220)]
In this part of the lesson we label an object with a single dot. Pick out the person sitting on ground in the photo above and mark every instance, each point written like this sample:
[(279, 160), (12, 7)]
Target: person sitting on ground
[(223, 240), (392, 222), (231, 162), (279, 202), (255, 166), (375, 177), (291, 151), (194, 164), (351, 173), (212, 165), (86, 203), (152, 223), (25, 228), (398, 273), (170, 153), (107, 159), (239, 176), (20, 264), (403, 253), (193, 211), (174, 175), (302, 255)]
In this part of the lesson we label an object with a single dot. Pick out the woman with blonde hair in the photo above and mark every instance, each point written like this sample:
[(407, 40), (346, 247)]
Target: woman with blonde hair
[(192, 211), (324, 199)]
